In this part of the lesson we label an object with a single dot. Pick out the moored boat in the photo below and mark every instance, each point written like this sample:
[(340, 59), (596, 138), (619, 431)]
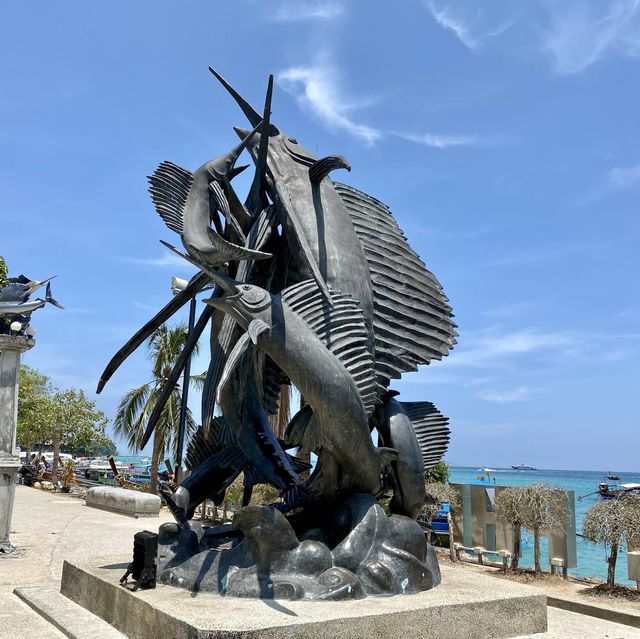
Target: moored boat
[(611, 488)]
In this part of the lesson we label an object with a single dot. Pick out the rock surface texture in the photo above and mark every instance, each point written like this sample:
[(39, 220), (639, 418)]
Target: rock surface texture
[(361, 551)]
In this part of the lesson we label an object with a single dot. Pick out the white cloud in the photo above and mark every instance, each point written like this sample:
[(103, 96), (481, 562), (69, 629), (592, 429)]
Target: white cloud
[(317, 89), (470, 24), (490, 349), (572, 34), (437, 141), (507, 396), (310, 10), (167, 259), (582, 32), (616, 179), (623, 178)]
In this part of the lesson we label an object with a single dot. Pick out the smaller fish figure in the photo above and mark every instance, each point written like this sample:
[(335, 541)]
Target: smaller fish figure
[(21, 288), (26, 308), (183, 200)]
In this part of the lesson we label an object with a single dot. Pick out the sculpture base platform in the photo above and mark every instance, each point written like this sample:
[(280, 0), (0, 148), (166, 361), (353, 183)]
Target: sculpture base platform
[(466, 604)]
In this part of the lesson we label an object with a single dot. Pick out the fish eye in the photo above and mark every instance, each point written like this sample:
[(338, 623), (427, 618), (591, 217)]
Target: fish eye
[(293, 141), (246, 287)]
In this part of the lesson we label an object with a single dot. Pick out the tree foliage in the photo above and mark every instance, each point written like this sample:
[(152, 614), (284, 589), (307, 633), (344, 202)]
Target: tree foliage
[(438, 494), (81, 426), (35, 408), (439, 474), (616, 524), (4, 273), (67, 418), (135, 408)]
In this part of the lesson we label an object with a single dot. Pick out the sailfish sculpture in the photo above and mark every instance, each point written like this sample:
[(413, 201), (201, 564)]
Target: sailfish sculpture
[(315, 286)]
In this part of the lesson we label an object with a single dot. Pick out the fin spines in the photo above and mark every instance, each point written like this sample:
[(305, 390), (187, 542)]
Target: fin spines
[(169, 189), (341, 327)]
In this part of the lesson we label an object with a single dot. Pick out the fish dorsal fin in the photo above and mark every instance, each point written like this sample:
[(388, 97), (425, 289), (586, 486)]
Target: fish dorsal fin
[(169, 188), (431, 428), (208, 441), (341, 327), (412, 319)]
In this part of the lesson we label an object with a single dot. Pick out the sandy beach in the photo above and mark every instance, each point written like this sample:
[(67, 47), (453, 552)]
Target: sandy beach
[(50, 527)]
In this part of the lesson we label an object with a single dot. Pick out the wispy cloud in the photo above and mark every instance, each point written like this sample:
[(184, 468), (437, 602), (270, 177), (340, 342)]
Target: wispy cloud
[(506, 396), (618, 178), (624, 177), (489, 348), (582, 32), (317, 88), (571, 34), (468, 21), (439, 141), (309, 10), (167, 259)]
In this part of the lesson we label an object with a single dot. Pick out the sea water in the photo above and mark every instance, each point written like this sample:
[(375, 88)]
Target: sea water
[(591, 557)]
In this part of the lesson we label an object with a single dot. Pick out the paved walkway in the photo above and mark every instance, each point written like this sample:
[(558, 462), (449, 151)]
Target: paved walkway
[(49, 527)]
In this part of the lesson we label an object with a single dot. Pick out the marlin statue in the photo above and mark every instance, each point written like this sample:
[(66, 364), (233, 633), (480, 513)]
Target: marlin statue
[(332, 300)]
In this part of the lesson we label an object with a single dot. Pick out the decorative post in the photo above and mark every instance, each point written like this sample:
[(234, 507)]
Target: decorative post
[(11, 347)]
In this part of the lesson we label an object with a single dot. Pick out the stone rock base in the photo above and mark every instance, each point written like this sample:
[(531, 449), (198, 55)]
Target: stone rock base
[(466, 605)]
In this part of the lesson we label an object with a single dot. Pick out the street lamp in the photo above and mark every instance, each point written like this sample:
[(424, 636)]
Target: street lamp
[(177, 286)]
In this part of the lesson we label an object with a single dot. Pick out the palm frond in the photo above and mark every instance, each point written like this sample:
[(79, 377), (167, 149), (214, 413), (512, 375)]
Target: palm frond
[(127, 421)]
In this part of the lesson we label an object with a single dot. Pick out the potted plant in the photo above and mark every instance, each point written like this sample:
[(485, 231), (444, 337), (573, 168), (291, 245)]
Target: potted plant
[(68, 475)]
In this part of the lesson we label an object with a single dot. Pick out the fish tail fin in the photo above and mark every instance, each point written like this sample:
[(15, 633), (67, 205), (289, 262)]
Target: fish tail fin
[(49, 298)]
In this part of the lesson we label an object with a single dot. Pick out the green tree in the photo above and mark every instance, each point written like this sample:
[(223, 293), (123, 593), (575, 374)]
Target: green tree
[(36, 412), (439, 474), (135, 408), (77, 424), (4, 273), (67, 419)]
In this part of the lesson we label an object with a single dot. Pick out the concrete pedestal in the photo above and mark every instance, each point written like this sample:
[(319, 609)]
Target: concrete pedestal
[(11, 347), (466, 605)]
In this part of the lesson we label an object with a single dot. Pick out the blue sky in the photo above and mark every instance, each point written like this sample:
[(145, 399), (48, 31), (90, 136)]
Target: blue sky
[(504, 137)]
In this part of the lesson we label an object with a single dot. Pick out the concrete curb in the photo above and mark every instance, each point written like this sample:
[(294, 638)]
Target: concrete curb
[(68, 617), (616, 616)]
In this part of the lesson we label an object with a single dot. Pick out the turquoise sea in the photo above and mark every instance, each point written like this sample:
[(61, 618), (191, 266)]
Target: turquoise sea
[(591, 558)]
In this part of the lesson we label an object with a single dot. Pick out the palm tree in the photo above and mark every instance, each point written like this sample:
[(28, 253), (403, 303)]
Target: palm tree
[(135, 408)]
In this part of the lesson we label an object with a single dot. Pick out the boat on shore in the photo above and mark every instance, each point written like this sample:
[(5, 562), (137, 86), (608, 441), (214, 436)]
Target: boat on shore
[(523, 467)]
